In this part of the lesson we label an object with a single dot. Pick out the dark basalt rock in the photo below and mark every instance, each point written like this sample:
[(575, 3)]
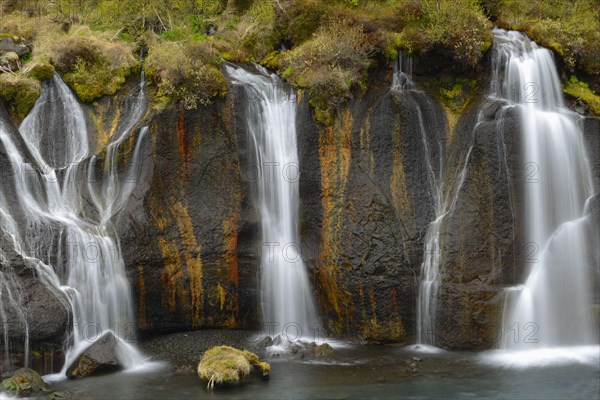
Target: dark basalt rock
[(100, 357)]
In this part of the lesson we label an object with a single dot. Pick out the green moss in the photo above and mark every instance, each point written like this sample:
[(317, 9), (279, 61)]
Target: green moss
[(90, 82), (174, 35), (93, 66), (581, 90), (454, 91), (21, 92), (126, 37), (185, 73), (570, 28), (227, 56), (224, 365), (272, 61), (26, 381), (8, 35), (41, 71)]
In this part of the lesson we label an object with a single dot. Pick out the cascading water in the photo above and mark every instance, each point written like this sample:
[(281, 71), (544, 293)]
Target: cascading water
[(402, 73), (443, 201), (271, 116), (429, 281), (552, 308), (85, 254)]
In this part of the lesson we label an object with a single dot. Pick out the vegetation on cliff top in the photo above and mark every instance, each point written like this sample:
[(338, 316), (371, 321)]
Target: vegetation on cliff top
[(581, 90), (325, 48), (571, 28)]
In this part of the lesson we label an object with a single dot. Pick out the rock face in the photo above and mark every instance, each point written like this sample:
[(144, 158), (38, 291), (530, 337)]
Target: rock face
[(366, 210), (34, 308), (193, 248), (11, 50), (36, 311), (190, 235), (181, 240), (100, 357), (481, 239)]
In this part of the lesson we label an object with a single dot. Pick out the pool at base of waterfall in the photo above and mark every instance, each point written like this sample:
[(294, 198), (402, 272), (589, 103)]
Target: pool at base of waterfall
[(370, 371)]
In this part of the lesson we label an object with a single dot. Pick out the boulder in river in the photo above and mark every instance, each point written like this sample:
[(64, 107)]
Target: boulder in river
[(100, 357), (321, 350), (26, 382)]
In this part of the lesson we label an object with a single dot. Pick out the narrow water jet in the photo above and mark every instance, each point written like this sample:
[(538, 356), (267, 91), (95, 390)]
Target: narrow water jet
[(286, 295)]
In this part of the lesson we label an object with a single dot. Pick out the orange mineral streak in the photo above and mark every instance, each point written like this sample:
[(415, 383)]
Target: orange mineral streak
[(184, 148), (142, 323), (334, 155), (192, 252)]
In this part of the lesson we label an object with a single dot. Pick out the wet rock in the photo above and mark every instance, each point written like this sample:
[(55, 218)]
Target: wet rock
[(321, 350), (227, 366), (26, 382), (264, 343), (61, 396), (100, 357), (31, 305), (14, 44), (9, 61)]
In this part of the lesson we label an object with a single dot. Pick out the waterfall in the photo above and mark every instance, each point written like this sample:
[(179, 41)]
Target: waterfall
[(443, 196), (402, 73), (430, 277), (54, 198), (552, 307), (286, 297)]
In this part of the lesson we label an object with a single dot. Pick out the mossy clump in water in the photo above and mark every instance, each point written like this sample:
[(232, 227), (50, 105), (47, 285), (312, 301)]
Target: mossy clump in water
[(25, 382), (224, 366), (21, 92)]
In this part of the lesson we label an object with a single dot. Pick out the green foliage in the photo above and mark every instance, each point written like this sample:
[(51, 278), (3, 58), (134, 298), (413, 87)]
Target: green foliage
[(456, 26), (185, 73), (571, 28), (329, 65), (41, 71), (174, 35), (21, 92), (581, 90), (91, 66), (454, 91)]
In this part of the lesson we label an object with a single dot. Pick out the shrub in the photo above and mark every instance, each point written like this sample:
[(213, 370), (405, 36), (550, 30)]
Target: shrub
[(581, 90), (21, 91), (92, 65), (458, 26), (571, 28), (249, 37), (329, 64), (186, 73)]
